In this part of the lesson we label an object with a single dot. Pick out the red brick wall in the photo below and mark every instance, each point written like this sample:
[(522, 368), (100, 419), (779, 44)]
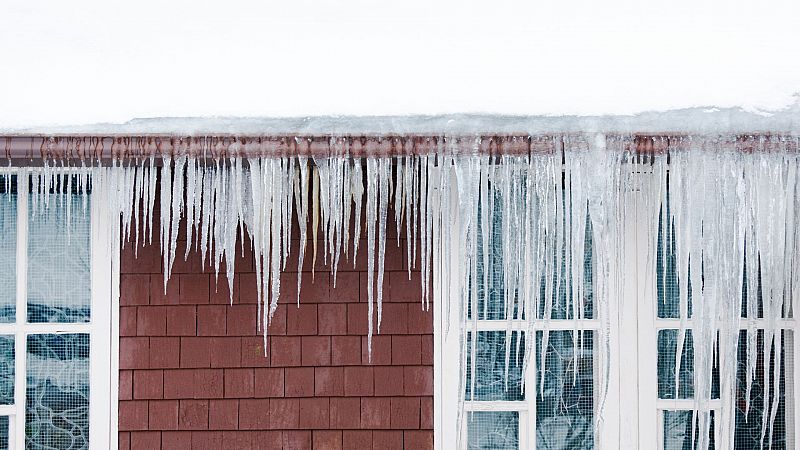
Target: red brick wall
[(193, 372)]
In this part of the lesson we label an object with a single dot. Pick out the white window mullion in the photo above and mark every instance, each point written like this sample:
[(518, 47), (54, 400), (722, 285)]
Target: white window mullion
[(21, 313)]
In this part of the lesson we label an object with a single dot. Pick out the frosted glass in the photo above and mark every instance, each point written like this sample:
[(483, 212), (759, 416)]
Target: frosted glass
[(59, 262)]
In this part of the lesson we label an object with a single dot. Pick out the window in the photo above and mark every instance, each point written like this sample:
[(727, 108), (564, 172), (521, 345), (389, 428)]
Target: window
[(554, 404), (57, 305)]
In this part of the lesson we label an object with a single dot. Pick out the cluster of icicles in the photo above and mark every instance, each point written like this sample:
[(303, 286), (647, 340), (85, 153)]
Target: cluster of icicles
[(720, 208)]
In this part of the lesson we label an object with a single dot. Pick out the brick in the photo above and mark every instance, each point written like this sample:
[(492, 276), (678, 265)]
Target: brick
[(134, 353), (297, 440), (208, 383), (254, 414), (314, 413), (329, 381), (146, 260), (375, 412), (406, 350), (357, 318), (394, 319), (403, 289), (388, 440), (316, 350), (220, 292), (148, 384), (134, 289), (145, 440), (268, 440), (426, 413), (239, 440), (127, 321), (381, 350), (422, 440), (312, 290), (241, 320), (125, 385), (387, 381), (299, 382), (347, 286), (181, 321), (247, 288), (345, 412), (151, 321), (358, 381), (206, 440), (345, 350), (195, 352), (326, 439), (285, 351), (284, 413), (211, 320), (163, 415), (269, 382), (426, 342), (419, 320), (194, 288), (157, 294), (418, 381), (226, 351), (176, 440), (277, 326), (332, 319), (193, 415), (405, 413), (223, 414), (165, 352), (178, 384), (356, 439), (132, 415), (239, 383), (301, 320), (124, 440), (253, 351)]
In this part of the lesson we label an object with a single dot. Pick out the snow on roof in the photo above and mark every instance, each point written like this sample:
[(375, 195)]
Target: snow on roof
[(701, 120)]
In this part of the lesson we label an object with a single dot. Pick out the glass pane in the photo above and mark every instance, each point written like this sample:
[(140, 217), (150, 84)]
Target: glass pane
[(8, 249), (57, 403), (4, 432), (492, 430), (490, 367), (679, 431), (565, 390), (58, 260), (750, 420), (667, 352), (6, 370)]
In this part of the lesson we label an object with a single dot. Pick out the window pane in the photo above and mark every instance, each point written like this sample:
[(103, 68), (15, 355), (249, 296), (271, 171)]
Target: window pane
[(8, 249), (667, 353), (749, 422), (57, 403), (6, 370), (4, 432), (490, 367), (492, 430), (679, 430), (565, 391), (58, 260)]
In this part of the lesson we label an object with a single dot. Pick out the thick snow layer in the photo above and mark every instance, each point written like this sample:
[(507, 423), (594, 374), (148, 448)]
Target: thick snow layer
[(708, 120), (96, 61)]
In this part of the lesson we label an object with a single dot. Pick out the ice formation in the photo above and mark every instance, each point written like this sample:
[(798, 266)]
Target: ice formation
[(723, 201)]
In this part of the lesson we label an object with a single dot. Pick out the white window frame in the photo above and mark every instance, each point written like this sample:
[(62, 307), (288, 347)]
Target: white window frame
[(103, 327), (633, 377)]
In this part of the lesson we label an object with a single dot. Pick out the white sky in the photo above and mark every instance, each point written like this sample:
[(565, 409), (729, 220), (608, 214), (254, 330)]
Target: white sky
[(74, 62)]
